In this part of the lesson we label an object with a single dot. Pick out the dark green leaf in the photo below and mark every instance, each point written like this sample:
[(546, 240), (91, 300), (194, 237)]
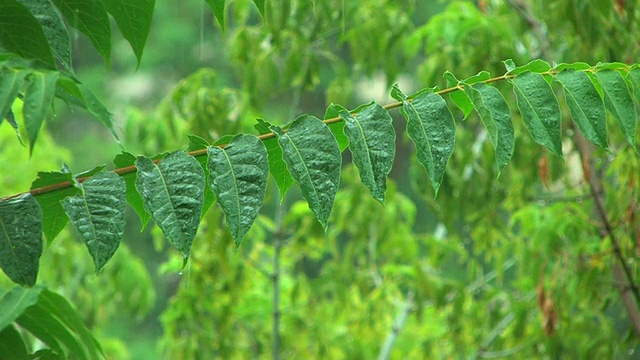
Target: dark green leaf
[(496, 117), (53, 217), (91, 19), (585, 104), (217, 7), (198, 143), (260, 6), (277, 166), (134, 199), (14, 302), (11, 81), (134, 20), (617, 99), (21, 33), (432, 130), (96, 108), (239, 175), (53, 28), (313, 157), (11, 344), (37, 101), (372, 144), (68, 90), (98, 215), (337, 128), (20, 239), (540, 110), (173, 193), (460, 98)]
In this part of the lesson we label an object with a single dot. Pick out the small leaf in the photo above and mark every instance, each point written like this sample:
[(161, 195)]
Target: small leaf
[(21, 33), (20, 239), (585, 105), (313, 157), (535, 66), (372, 144), (11, 81), (217, 7), (239, 175), (97, 109), (277, 166), (337, 128), (37, 101), (572, 66), (173, 193), (432, 130), (460, 98), (509, 65), (134, 199), (91, 19), (54, 218), (198, 143), (479, 77), (134, 20), (98, 215), (496, 117), (611, 66), (540, 110), (617, 100), (14, 302)]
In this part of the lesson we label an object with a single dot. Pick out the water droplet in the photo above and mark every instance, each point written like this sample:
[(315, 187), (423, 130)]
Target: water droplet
[(180, 273)]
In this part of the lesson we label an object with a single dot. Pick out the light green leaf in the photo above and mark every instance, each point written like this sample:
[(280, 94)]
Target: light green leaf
[(217, 7), (239, 175), (633, 76), (617, 100), (432, 130), (372, 144), (277, 166), (479, 77), (313, 157), (98, 215), (14, 302), (540, 110), (11, 344), (173, 193), (21, 33), (37, 101), (572, 66), (496, 117), (91, 19), (53, 28), (585, 105), (20, 239), (11, 81), (123, 160), (535, 66), (460, 98), (134, 20), (54, 218)]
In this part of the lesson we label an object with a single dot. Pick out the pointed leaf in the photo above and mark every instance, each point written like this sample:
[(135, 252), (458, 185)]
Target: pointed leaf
[(53, 28), (20, 239), (173, 193), (54, 218), (260, 6), (91, 19), (585, 105), (460, 98), (217, 7), (540, 110), (239, 175), (98, 215), (11, 81), (21, 33), (535, 66), (313, 157), (134, 199), (432, 130), (14, 302), (617, 100), (277, 166), (37, 101), (95, 107), (496, 117), (372, 144), (134, 20)]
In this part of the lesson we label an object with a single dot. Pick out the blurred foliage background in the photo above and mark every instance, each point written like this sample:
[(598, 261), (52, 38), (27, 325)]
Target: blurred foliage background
[(507, 267)]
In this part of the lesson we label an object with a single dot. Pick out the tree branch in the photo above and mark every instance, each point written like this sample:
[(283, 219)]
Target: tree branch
[(398, 323)]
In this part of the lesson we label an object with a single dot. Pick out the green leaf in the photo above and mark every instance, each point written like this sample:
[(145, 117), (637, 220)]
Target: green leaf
[(611, 66), (37, 101), (372, 144), (260, 6), (98, 215), (540, 110), (460, 98), (198, 143), (97, 109), (134, 20), (535, 66), (432, 130), (11, 81), (633, 76), (217, 7), (277, 166), (54, 218), (585, 105), (21, 33), (14, 302), (496, 117), (134, 199), (173, 193), (313, 157), (337, 128), (617, 100), (239, 181), (91, 19), (479, 77), (53, 28), (11, 344), (20, 239), (572, 66)]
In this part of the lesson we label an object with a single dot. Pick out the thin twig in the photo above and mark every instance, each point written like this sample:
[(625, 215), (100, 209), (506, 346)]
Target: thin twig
[(398, 323)]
